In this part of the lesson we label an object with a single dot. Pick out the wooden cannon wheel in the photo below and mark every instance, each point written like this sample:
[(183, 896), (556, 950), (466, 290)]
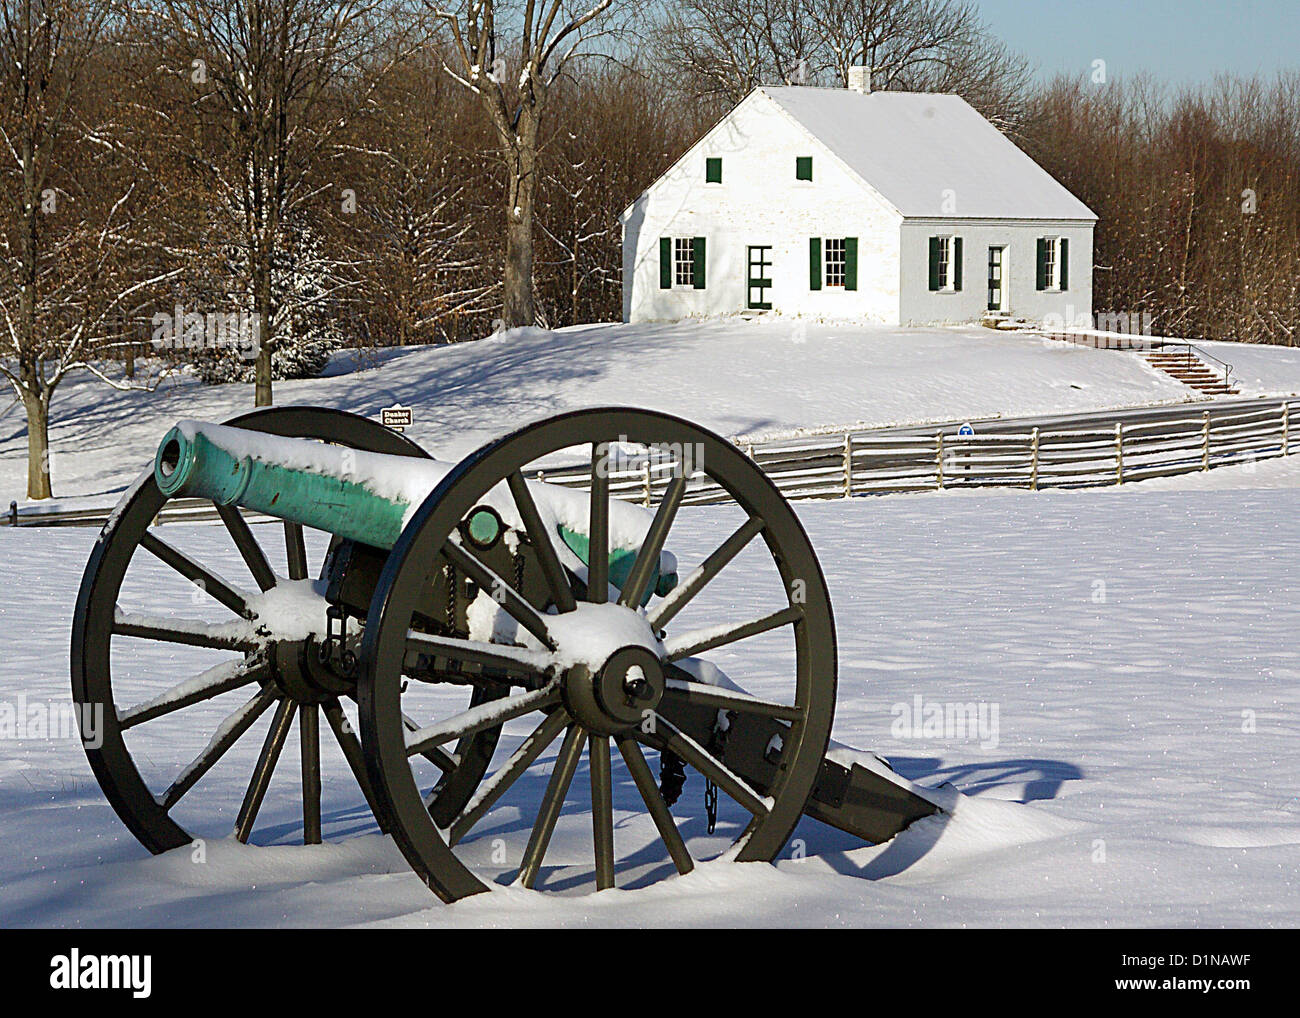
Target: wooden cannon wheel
[(283, 678), (584, 697)]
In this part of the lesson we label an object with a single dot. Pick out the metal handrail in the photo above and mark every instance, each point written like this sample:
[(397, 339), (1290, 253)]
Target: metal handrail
[(1204, 355)]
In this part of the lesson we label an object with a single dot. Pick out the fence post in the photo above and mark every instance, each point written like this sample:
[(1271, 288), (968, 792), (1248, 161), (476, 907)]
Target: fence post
[(848, 465), (749, 450), (1119, 452), (1033, 461), (1205, 441), (938, 458), (13, 514), (1286, 428), (646, 482)]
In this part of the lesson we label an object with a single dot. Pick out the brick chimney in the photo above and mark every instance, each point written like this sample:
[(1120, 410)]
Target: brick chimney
[(860, 79)]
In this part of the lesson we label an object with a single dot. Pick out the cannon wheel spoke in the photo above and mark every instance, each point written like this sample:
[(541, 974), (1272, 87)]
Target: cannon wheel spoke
[(249, 550), (123, 626), (548, 814), (710, 766), (515, 660), (296, 550), (214, 682), (476, 719), (197, 574), (654, 801), (491, 790), (647, 559), (510, 599), (436, 755), (710, 639), (266, 761), (662, 613), (598, 526), (230, 732), (704, 695), (602, 809), (557, 581), (309, 731)]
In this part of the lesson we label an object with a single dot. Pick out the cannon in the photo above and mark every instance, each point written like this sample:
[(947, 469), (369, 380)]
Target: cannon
[(469, 617)]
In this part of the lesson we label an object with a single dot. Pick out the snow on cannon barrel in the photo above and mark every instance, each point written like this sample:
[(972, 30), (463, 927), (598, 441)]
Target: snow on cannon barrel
[(367, 497), (558, 609)]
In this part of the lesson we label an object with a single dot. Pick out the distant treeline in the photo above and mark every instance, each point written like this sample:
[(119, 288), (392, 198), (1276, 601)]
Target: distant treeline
[(1198, 194)]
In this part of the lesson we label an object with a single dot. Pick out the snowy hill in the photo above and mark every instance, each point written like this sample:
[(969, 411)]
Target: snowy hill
[(755, 379)]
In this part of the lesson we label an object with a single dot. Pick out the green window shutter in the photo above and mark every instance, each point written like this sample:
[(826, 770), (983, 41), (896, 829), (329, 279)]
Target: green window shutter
[(697, 243), (850, 263), (803, 168), (665, 263), (815, 263), (956, 263), (1065, 263), (713, 170), (934, 263), (1042, 263)]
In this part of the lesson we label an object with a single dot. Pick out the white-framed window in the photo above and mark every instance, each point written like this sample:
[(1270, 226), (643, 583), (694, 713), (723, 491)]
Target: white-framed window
[(684, 261), (945, 264), (1053, 264), (943, 267), (836, 261)]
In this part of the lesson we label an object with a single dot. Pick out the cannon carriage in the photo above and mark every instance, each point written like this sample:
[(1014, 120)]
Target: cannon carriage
[(471, 617)]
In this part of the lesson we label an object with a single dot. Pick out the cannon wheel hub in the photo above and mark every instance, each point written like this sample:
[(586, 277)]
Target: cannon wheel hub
[(623, 693), (302, 676)]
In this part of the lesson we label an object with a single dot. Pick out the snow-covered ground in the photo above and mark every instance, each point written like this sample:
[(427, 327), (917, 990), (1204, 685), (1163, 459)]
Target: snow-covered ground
[(1137, 648), (764, 378), (1259, 370)]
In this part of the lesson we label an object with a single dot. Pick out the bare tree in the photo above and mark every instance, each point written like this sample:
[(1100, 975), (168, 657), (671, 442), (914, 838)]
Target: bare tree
[(419, 238), (71, 202), (628, 136), (514, 91), (722, 49), (1198, 194), (260, 93)]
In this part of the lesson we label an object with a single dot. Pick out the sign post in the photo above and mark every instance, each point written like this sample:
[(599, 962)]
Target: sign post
[(397, 417)]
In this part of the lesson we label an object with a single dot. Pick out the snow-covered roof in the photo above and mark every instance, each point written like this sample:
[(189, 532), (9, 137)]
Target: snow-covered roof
[(916, 147)]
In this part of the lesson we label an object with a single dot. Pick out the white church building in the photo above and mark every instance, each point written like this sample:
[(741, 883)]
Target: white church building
[(897, 207)]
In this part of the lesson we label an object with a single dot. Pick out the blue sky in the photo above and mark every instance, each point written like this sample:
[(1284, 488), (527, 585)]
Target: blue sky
[(1179, 42)]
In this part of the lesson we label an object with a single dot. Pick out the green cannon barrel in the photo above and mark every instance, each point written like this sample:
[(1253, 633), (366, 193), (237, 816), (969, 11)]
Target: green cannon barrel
[(190, 464)]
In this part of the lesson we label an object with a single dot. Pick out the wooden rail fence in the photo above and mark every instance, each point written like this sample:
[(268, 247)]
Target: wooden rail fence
[(879, 463), (875, 463)]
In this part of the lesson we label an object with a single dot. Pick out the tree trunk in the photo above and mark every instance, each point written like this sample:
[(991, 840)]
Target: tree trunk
[(518, 281), (573, 283), (262, 366), (38, 445)]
